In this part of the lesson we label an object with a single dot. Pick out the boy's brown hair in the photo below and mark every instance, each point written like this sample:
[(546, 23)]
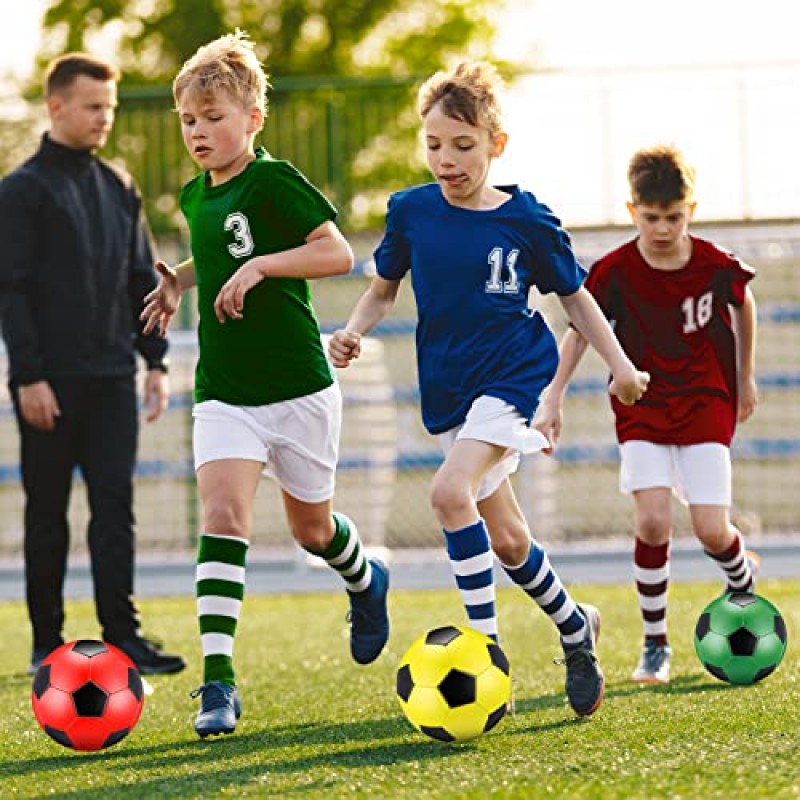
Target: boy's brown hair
[(660, 176), (468, 93), (229, 65), (62, 72)]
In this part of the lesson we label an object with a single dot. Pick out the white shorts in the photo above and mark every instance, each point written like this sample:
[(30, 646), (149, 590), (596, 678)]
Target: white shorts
[(494, 421), (700, 474), (296, 440)]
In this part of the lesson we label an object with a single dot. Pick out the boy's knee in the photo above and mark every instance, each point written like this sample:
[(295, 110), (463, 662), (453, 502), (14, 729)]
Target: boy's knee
[(449, 496), (654, 527), (511, 543), (314, 535), (222, 519)]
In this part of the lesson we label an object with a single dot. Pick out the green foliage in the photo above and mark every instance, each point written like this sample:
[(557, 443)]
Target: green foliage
[(338, 39), (294, 37), (315, 725)]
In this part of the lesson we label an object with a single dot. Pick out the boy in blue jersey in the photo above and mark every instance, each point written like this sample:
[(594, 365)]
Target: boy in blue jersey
[(484, 357)]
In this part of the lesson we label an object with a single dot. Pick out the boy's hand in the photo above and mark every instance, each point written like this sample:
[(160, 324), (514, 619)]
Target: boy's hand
[(230, 300), (343, 347), (629, 386), (162, 303), (748, 399), (548, 421)]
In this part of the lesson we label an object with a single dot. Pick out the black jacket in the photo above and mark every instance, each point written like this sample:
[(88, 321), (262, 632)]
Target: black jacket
[(75, 263)]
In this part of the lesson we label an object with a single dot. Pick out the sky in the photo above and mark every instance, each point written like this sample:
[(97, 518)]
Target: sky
[(19, 35), (718, 78)]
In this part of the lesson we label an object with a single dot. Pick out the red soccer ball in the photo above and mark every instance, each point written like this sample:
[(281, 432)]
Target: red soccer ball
[(87, 695)]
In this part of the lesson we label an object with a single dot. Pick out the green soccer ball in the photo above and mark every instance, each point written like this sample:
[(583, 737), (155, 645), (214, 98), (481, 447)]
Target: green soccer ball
[(740, 638), (454, 684)]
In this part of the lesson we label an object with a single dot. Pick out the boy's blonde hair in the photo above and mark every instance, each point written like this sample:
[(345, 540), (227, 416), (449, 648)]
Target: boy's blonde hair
[(228, 64), (469, 92), (660, 176)]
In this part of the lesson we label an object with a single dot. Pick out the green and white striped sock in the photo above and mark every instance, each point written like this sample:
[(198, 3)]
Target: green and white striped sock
[(346, 555), (220, 589)]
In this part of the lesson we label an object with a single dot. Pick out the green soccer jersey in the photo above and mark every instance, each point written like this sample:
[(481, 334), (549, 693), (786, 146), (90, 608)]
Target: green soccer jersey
[(274, 353)]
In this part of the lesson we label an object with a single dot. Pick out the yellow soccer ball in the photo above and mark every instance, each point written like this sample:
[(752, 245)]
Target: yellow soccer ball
[(454, 684)]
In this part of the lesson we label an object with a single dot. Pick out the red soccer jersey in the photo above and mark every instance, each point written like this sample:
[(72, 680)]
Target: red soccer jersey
[(676, 325)]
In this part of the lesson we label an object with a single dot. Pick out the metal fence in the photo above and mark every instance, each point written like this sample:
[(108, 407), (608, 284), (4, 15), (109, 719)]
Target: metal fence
[(354, 139), (387, 460), (349, 137), (572, 134)]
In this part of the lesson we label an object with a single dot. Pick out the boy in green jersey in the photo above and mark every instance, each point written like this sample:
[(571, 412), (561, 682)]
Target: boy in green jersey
[(265, 397)]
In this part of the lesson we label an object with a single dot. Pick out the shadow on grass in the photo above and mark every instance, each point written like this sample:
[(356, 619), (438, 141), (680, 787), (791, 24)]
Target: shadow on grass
[(334, 741), (684, 684)]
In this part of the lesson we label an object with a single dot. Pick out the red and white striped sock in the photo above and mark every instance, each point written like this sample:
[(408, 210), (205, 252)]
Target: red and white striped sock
[(651, 570), (736, 566)]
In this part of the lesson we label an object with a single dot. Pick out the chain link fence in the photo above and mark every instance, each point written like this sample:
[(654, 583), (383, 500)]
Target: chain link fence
[(388, 460)]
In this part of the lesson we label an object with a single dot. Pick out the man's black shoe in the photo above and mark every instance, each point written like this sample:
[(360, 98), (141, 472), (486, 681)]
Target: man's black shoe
[(148, 657), (40, 654)]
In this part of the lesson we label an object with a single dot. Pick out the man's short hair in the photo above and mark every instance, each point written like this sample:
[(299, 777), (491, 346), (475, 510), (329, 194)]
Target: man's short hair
[(62, 72)]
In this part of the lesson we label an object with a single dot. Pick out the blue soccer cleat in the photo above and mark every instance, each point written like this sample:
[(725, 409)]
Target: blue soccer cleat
[(368, 616), (221, 706)]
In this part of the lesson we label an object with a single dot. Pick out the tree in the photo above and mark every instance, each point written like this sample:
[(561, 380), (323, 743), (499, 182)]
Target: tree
[(329, 61), (294, 37)]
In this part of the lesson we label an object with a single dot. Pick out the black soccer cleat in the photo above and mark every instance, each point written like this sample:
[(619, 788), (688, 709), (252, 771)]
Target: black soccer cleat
[(585, 685)]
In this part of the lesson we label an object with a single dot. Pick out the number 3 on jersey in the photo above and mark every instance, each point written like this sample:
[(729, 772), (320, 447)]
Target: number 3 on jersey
[(697, 314), (495, 284), (237, 222)]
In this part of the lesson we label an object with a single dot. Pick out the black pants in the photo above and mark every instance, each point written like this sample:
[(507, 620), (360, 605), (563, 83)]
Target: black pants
[(97, 432)]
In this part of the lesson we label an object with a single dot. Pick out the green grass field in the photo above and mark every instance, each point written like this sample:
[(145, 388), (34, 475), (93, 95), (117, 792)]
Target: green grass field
[(316, 725)]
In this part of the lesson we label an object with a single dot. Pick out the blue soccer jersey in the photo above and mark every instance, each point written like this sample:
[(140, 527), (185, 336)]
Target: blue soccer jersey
[(471, 271)]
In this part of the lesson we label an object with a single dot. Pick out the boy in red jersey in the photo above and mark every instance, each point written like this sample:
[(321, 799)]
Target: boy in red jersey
[(683, 311)]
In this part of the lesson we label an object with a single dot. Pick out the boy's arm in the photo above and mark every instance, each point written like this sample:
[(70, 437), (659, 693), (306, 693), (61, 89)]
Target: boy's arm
[(627, 383), (162, 303), (744, 329), (371, 308), (185, 274), (325, 253), (549, 416)]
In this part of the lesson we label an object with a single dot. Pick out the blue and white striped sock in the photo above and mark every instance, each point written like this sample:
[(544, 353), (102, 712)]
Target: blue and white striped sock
[(472, 561), (538, 580)]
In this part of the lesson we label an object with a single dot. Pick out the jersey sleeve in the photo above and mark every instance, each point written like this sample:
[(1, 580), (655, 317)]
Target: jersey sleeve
[(392, 259), (599, 283), (740, 274), (557, 267), (297, 205)]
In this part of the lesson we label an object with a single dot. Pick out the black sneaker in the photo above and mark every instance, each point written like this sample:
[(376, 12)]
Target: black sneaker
[(585, 682), (39, 654), (148, 657)]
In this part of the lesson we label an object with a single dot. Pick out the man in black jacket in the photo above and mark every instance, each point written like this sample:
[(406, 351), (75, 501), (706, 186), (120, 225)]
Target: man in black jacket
[(75, 265)]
